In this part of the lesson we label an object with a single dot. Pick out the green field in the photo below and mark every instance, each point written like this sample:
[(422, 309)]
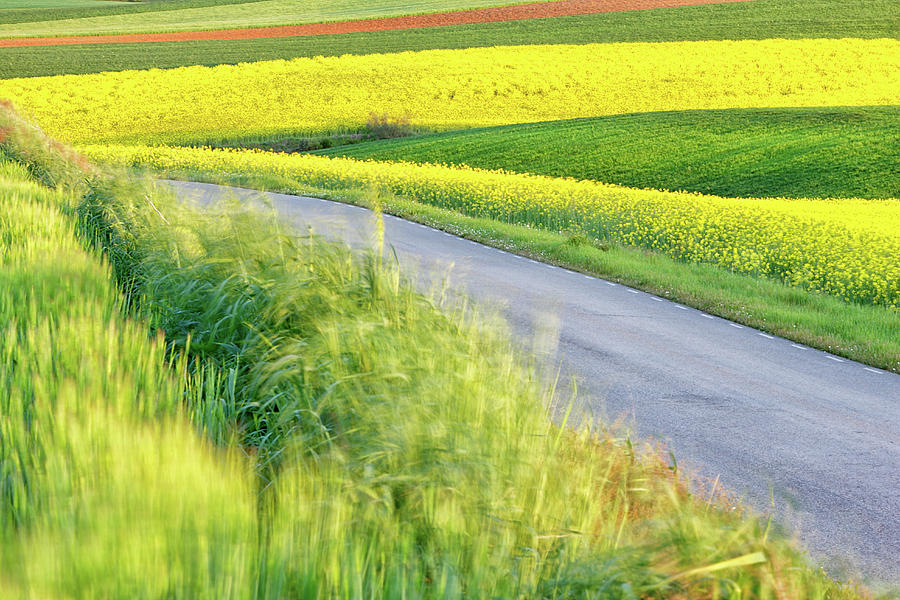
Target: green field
[(798, 153), (258, 13), (28, 11), (13, 7), (759, 19)]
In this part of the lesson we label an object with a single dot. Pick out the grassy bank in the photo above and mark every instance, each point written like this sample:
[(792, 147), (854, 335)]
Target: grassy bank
[(756, 20), (801, 153), (864, 333), (398, 451), (842, 247)]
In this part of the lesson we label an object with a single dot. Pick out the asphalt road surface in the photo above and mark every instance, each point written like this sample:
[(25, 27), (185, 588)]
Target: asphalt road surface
[(807, 436)]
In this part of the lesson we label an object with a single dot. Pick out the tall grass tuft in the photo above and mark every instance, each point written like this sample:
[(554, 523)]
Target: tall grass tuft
[(48, 161)]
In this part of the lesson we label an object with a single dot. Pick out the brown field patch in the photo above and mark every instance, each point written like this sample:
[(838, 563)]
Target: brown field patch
[(535, 10)]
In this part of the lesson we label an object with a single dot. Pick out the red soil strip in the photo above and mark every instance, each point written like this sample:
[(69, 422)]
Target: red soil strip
[(535, 10)]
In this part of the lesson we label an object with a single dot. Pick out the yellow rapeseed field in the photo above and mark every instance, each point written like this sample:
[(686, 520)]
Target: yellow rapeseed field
[(819, 245), (445, 89)]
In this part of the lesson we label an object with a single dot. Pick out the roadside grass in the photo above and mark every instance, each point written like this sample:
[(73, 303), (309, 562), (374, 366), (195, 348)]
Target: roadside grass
[(229, 15), (399, 451), (867, 334), (840, 152), (759, 19), (13, 7), (842, 247)]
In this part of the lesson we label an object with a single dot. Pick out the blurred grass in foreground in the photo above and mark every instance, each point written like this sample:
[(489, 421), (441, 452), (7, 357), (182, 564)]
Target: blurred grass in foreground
[(399, 452), (106, 490)]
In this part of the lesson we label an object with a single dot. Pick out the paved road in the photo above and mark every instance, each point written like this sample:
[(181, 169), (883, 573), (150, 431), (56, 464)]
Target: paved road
[(770, 418)]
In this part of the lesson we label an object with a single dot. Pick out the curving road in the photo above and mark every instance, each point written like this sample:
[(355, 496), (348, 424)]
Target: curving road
[(775, 421)]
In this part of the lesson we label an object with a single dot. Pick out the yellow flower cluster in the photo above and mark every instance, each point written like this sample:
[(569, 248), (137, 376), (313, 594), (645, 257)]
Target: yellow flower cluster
[(817, 245), (448, 89)]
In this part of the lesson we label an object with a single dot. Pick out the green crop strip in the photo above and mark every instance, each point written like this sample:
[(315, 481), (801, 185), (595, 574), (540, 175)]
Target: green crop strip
[(58, 10), (760, 19), (228, 15), (799, 153)]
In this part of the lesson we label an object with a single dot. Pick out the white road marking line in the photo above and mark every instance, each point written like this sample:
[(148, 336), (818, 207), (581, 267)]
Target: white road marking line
[(834, 358), (800, 347), (634, 291), (609, 283), (680, 307), (768, 337), (657, 299), (589, 277), (874, 371), (736, 325), (708, 317)]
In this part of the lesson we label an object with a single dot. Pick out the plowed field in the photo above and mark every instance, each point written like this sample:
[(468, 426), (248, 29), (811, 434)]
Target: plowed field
[(518, 12)]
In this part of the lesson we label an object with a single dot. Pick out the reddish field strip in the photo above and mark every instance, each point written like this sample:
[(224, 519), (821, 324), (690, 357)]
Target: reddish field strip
[(535, 10)]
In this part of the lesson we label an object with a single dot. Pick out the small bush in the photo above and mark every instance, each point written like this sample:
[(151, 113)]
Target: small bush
[(384, 126)]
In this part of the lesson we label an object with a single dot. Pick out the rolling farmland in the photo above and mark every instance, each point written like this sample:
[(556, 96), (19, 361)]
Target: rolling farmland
[(452, 89), (760, 19), (834, 152), (236, 409), (346, 17)]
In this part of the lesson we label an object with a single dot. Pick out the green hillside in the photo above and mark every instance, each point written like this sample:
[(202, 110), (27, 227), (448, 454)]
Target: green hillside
[(804, 152)]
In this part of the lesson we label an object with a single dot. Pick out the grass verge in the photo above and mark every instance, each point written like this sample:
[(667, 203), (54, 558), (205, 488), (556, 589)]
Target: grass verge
[(863, 333)]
